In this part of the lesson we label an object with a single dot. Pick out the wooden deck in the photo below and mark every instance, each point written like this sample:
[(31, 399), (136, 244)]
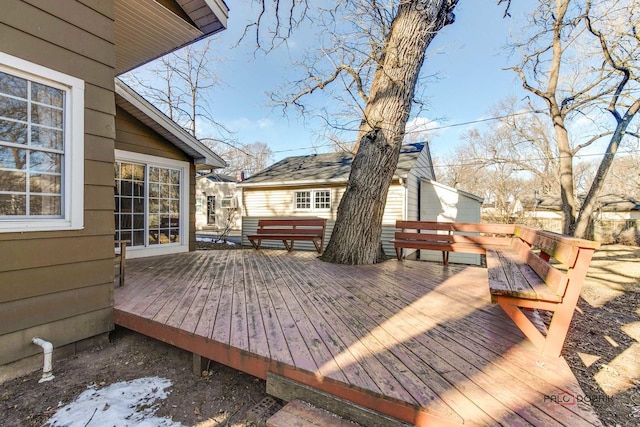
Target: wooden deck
[(414, 340)]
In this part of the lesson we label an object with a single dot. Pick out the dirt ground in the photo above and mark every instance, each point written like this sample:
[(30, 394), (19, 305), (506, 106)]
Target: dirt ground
[(603, 346), (603, 350)]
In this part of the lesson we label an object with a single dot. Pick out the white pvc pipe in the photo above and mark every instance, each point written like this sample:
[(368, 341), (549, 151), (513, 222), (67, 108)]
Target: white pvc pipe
[(47, 369)]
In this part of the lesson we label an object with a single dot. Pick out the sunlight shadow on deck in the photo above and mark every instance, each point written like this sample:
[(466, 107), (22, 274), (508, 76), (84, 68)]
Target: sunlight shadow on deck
[(415, 319)]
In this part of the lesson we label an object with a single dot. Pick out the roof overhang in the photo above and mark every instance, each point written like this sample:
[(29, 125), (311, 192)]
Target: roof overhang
[(148, 29), (141, 109), (299, 183)]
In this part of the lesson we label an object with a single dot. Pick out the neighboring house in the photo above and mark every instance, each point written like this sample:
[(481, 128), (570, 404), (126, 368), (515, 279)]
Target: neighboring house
[(544, 211), (608, 207), (217, 202), (64, 121), (313, 186)]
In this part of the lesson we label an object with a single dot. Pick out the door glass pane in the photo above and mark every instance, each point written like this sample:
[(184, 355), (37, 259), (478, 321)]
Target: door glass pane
[(129, 206)]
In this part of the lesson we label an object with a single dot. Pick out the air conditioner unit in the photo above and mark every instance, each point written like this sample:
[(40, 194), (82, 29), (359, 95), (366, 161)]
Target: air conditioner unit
[(228, 203)]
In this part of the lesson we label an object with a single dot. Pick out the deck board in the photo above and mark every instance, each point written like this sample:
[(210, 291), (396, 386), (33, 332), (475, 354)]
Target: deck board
[(414, 340)]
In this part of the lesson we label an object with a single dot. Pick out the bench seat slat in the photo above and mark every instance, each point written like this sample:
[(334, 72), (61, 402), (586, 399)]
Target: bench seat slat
[(291, 222), (509, 276), (291, 231), (402, 237), (439, 246), (288, 236)]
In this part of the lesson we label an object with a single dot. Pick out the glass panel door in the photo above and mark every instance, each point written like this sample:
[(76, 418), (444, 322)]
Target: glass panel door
[(164, 205), (147, 204)]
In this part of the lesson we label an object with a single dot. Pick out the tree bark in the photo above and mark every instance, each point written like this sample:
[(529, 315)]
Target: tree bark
[(588, 206), (356, 236)]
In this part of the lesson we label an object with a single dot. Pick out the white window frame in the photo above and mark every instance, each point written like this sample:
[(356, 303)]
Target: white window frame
[(73, 166), (295, 200), (184, 167), (312, 194), (313, 200)]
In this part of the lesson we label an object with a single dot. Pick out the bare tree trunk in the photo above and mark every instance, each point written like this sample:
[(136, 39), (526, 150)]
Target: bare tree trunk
[(569, 208), (588, 206), (356, 236)]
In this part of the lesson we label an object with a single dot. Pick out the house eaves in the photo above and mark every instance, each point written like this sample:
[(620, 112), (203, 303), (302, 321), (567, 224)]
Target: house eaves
[(148, 29), (141, 109), (297, 183)]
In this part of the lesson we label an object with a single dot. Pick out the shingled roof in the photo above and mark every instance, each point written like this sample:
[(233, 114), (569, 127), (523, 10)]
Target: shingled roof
[(323, 168)]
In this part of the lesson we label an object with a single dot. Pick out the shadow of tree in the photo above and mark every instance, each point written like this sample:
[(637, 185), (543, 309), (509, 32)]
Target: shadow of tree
[(603, 346)]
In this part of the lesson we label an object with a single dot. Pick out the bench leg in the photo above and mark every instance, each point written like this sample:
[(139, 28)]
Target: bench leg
[(445, 257), (318, 246), (286, 245), (523, 323), (560, 322), (399, 253), (255, 246), (551, 344)]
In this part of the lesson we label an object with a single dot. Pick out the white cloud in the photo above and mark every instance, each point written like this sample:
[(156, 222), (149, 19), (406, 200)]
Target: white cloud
[(420, 128), (265, 123), (421, 124)]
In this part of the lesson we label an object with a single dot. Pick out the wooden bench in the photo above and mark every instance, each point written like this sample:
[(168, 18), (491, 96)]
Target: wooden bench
[(289, 231), (537, 269), (451, 237)]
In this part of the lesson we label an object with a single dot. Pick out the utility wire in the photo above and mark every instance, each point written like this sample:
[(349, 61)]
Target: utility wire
[(328, 144), (480, 162)]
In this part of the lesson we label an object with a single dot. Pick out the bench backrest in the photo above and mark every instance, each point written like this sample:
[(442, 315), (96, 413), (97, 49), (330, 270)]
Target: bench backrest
[(306, 226), (539, 247), (490, 235)]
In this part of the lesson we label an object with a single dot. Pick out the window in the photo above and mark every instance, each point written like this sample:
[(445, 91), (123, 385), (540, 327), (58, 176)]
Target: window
[(199, 203), (41, 148), (322, 199), (150, 200), (303, 200), (211, 210), (312, 200)]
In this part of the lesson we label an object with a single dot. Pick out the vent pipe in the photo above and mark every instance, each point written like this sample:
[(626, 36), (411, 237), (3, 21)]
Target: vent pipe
[(47, 369)]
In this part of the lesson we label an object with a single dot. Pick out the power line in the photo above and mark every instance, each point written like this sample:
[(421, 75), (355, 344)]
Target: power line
[(506, 116), (420, 131), (480, 162)]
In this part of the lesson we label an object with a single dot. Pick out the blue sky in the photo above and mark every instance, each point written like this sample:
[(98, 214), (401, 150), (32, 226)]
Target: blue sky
[(468, 57)]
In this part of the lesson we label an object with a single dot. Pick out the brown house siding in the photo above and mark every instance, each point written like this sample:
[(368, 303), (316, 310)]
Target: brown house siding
[(58, 285), (134, 136)]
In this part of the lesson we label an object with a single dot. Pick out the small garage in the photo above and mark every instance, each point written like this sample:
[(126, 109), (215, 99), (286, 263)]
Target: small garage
[(439, 202)]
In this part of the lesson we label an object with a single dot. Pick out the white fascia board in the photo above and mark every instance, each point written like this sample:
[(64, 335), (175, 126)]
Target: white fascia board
[(220, 9), (290, 183)]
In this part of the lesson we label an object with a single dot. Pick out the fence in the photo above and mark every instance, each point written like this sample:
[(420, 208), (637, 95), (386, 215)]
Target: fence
[(624, 231), (607, 231)]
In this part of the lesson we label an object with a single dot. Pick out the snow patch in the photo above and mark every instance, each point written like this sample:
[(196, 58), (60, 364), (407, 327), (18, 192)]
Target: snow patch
[(212, 240), (127, 403)]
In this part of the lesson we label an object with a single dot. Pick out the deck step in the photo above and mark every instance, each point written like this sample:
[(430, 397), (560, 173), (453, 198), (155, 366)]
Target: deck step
[(301, 414), (263, 410), (290, 390)]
